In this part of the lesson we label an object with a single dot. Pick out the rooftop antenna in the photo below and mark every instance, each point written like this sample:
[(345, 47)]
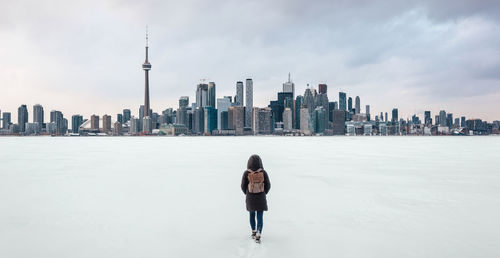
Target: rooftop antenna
[(289, 77), (147, 38)]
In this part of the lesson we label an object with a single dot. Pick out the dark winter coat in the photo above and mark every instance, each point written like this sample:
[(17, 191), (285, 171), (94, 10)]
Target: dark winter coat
[(255, 201)]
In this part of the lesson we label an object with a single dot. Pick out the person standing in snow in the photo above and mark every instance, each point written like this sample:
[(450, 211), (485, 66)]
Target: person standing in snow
[(255, 185)]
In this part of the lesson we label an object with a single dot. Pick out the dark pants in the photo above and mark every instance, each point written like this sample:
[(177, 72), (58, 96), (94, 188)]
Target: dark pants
[(260, 221)]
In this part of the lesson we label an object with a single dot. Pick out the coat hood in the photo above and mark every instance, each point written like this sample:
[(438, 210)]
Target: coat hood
[(254, 163)]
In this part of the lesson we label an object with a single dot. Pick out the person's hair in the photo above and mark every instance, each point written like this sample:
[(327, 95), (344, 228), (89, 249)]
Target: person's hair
[(254, 162)]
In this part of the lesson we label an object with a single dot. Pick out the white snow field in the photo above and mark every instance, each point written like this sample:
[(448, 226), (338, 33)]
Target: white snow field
[(180, 197)]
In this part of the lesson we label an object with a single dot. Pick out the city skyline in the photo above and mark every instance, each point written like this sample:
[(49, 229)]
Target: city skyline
[(420, 56)]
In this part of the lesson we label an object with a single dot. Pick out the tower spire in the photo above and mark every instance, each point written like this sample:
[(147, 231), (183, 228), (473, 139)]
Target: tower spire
[(289, 77)]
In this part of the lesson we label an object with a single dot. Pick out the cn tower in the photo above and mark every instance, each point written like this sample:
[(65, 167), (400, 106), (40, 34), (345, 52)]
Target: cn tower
[(146, 67)]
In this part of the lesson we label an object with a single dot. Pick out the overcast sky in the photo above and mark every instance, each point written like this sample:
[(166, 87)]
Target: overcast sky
[(85, 56)]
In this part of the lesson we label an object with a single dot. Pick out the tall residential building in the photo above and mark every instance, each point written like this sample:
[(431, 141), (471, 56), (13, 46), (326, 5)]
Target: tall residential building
[(224, 120), (146, 67), (342, 101), (119, 118), (183, 101), (6, 120), (22, 117), (442, 118), (106, 124), (38, 116), (386, 117), (76, 121), (358, 105), (211, 94), (126, 115), (249, 102), (382, 116), (261, 121), (462, 122), (395, 118), (147, 124), (349, 104), (94, 122), (368, 117), (134, 126), (238, 99), (223, 104)]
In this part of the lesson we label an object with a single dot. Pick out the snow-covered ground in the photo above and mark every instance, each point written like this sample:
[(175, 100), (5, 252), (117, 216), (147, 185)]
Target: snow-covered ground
[(180, 197)]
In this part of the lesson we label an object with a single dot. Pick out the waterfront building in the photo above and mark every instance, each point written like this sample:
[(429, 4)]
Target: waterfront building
[(305, 121), (236, 119), (76, 121), (462, 122), (427, 118), (261, 121), (117, 129), (287, 119), (223, 105), (201, 95), (94, 122), (339, 118), (224, 120), (38, 116), (210, 120), (319, 120), (198, 121), (349, 104), (134, 126), (382, 129), (22, 117), (106, 124), (147, 125), (119, 118), (449, 120), (6, 120)]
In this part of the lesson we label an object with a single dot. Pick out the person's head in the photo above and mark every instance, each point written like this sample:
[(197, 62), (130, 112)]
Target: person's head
[(254, 162)]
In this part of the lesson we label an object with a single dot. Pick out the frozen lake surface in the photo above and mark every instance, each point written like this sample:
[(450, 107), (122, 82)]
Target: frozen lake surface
[(181, 197)]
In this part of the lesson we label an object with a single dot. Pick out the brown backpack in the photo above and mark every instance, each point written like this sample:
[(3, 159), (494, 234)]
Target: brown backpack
[(255, 181)]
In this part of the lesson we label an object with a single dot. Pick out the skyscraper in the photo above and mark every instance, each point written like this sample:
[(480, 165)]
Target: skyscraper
[(368, 117), (223, 104), (287, 119), (106, 124), (322, 88), (261, 121), (349, 104), (427, 118), (342, 101), (358, 105), (184, 101), (442, 118), (238, 99), (38, 116), (395, 118), (298, 104), (146, 67), (210, 119), (249, 102), (76, 121), (126, 115), (202, 95), (6, 120), (289, 86), (94, 122), (236, 119), (211, 94), (22, 117)]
